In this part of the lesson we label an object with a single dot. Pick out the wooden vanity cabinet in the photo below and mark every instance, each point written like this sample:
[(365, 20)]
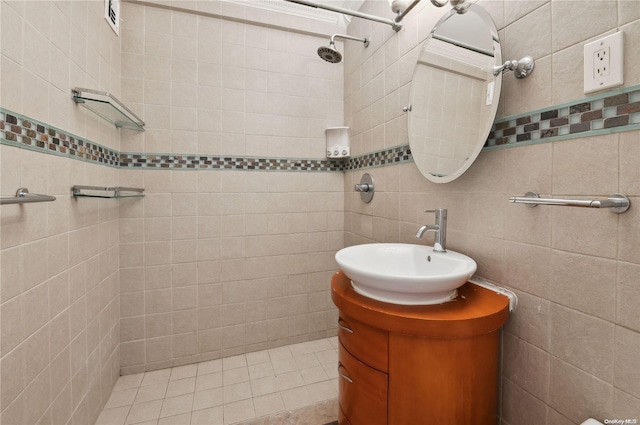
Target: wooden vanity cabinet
[(368, 344), (418, 365), (361, 385)]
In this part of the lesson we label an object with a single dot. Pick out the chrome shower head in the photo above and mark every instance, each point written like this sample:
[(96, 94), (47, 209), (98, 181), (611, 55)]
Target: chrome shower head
[(330, 53)]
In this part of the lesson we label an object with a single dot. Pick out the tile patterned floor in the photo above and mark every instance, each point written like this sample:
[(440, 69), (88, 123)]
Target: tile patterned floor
[(227, 391), (322, 413)]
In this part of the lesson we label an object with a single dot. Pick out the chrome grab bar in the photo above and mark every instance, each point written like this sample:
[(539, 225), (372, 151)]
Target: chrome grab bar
[(404, 13), (395, 23), (23, 197), (617, 203)]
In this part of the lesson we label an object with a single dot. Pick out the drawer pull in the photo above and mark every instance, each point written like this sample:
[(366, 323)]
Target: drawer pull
[(345, 377), (343, 327)]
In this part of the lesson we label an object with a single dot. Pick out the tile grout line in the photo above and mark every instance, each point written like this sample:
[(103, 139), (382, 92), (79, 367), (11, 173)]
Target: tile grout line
[(298, 357)]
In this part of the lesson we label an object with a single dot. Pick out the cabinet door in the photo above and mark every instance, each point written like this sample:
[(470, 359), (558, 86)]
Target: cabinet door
[(368, 344), (342, 419), (443, 381), (362, 391)]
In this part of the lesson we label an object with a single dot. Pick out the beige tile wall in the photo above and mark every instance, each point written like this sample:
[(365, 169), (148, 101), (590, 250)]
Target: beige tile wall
[(217, 263), (59, 261), (570, 349), (208, 84)]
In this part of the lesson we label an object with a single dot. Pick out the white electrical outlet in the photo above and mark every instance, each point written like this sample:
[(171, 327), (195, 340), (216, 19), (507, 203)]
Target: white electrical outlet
[(603, 63)]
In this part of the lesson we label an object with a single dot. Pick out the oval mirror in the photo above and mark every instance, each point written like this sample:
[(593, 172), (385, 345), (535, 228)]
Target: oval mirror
[(454, 94)]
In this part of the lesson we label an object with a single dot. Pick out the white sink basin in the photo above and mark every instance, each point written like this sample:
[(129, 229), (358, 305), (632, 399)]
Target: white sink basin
[(405, 273)]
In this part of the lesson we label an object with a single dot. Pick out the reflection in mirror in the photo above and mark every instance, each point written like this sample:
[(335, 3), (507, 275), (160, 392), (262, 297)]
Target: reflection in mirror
[(454, 94)]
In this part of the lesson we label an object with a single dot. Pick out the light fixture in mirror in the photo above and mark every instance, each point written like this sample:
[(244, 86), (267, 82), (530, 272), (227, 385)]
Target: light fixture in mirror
[(454, 94)]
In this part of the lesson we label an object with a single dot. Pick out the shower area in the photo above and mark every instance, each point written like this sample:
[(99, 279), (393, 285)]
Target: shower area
[(229, 251), (225, 254)]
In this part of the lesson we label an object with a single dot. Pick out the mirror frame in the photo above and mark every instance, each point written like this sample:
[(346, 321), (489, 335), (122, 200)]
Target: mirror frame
[(490, 80)]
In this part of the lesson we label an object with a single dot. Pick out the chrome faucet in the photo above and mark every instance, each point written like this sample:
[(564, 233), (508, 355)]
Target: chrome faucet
[(440, 243)]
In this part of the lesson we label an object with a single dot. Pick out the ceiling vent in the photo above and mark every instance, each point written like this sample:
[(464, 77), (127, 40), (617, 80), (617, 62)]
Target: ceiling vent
[(112, 14)]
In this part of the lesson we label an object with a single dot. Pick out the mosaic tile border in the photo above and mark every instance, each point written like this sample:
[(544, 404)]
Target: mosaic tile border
[(389, 156), (617, 110), (20, 131), (24, 132), (209, 162), (604, 113)]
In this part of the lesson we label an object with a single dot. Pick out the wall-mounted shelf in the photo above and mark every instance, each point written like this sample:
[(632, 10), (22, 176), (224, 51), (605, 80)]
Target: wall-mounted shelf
[(108, 107), (106, 192)]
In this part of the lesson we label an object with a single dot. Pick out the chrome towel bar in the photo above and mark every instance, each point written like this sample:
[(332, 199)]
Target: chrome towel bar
[(23, 196), (617, 203)]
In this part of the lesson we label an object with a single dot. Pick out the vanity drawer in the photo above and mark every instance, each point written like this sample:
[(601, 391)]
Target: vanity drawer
[(368, 344), (362, 394), (342, 419)]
